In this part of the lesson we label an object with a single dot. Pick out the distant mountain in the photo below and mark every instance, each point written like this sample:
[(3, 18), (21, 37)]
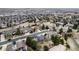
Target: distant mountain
[(9, 11)]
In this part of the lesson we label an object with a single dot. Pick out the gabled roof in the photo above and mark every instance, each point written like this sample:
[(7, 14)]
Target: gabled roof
[(39, 38)]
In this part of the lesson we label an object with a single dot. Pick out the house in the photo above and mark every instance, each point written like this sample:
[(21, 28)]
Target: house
[(41, 45), (37, 20), (65, 28), (21, 44), (9, 47), (69, 25), (3, 25), (60, 23)]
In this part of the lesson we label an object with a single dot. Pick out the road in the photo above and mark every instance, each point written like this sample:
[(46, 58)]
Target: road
[(23, 36), (74, 46)]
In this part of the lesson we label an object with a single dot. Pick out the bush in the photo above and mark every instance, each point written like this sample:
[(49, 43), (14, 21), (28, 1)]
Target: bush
[(29, 49), (57, 40), (46, 48)]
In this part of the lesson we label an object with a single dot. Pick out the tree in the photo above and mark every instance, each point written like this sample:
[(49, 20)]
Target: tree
[(75, 26), (60, 31), (61, 41), (46, 48), (34, 29), (43, 27), (28, 41), (8, 25), (69, 30), (31, 31), (18, 32), (67, 46), (47, 18), (65, 37), (31, 43), (29, 49), (78, 30), (14, 20), (47, 27), (34, 44), (14, 42), (0, 47), (57, 40), (9, 39), (54, 29), (0, 27)]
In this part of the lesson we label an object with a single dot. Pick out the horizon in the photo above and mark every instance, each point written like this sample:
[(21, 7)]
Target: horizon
[(6, 11)]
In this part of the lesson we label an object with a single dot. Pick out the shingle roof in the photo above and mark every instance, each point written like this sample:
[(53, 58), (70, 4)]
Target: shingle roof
[(41, 37)]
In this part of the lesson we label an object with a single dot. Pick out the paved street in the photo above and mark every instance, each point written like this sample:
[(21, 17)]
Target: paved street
[(21, 37), (73, 44)]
